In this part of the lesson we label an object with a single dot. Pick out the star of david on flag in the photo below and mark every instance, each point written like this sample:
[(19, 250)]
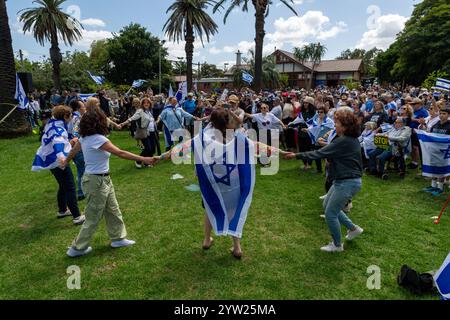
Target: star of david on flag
[(435, 153)]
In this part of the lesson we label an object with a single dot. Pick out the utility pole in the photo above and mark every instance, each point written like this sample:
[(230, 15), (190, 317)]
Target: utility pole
[(160, 67), (21, 59)]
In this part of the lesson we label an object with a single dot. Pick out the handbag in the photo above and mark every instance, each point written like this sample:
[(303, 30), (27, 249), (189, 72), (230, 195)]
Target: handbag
[(140, 133)]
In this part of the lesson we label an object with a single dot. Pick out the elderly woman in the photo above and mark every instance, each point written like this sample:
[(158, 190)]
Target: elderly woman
[(344, 155), (379, 116), (399, 138)]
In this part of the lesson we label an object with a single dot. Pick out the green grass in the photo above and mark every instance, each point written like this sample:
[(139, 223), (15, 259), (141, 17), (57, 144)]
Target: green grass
[(281, 240)]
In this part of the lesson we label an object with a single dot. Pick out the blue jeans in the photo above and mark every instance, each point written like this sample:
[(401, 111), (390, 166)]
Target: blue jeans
[(339, 195), (79, 163), (379, 154)]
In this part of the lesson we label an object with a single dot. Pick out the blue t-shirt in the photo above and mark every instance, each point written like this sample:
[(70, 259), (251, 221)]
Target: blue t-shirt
[(189, 106), (419, 114), (369, 106)]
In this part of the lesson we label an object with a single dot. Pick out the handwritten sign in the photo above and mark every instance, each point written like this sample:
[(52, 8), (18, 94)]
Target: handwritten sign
[(381, 142)]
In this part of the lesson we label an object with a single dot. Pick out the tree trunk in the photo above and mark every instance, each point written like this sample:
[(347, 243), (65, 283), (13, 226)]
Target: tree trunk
[(311, 79), (16, 124), (189, 48), (259, 43), (56, 57)]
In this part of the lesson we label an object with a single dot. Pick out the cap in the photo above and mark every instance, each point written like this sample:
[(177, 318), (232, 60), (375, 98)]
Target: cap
[(233, 98)]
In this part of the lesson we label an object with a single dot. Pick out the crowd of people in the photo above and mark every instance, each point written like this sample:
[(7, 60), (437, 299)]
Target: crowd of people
[(337, 129)]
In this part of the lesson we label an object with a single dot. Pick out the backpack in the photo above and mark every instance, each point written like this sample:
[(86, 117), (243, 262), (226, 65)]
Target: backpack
[(417, 283)]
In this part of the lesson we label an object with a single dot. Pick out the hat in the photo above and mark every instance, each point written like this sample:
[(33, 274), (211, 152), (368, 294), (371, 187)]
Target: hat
[(190, 94), (416, 101), (309, 100), (233, 98)]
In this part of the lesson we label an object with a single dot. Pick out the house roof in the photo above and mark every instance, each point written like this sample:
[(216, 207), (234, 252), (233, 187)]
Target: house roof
[(349, 65)]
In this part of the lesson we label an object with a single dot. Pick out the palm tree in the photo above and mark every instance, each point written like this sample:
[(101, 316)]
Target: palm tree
[(188, 20), (262, 9), (270, 75), (16, 123), (312, 52), (48, 22)]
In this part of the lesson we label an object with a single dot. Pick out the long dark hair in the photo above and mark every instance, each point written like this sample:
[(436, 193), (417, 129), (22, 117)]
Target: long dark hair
[(94, 121), (220, 119)]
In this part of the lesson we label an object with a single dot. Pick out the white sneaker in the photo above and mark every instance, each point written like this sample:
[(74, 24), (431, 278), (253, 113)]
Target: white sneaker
[(353, 234), (139, 166), (80, 220), (73, 253), (61, 215), (332, 248), (122, 243), (323, 197), (323, 216)]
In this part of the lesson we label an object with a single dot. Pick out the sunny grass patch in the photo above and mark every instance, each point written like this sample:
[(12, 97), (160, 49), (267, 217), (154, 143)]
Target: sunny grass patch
[(281, 240)]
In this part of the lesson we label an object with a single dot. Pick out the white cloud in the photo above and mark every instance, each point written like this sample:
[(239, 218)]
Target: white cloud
[(176, 49), (384, 34), (214, 51), (90, 36), (92, 22), (296, 30)]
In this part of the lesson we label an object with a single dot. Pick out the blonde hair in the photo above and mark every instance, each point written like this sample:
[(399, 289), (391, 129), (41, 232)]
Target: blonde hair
[(92, 103), (136, 103)]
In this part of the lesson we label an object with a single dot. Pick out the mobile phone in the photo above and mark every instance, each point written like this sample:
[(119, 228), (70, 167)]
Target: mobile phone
[(226, 106)]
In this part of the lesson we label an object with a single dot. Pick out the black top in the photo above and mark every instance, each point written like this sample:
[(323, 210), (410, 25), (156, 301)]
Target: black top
[(441, 128), (344, 155)]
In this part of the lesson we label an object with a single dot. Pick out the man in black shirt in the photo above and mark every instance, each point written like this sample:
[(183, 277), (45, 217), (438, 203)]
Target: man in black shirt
[(443, 126)]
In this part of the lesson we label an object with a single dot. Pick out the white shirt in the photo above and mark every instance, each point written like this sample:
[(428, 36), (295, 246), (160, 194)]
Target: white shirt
[(266, 122), (96, 160)]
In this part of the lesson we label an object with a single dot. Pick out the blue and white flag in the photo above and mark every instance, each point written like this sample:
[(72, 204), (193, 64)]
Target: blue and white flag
[(170, 91), (97, 79), (224, 95), (20, 95), (385, 127), (182, 91), (442, 279), (435, 154), (138, 83), (342, 90), (55, 144), (226, 179), (315, 129), (247, 77), (85, 96), (332, 136), (442, 84), (367, 140)]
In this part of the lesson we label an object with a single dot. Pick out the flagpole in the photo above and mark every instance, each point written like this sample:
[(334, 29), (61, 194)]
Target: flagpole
[(9, 113)]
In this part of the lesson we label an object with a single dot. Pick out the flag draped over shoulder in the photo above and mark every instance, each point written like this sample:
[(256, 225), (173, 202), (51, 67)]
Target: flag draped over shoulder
[(55, 144), (442, 279), (226, 181), (182, 92), (435, 154), (21, 95), (368, 143), (315, 128)]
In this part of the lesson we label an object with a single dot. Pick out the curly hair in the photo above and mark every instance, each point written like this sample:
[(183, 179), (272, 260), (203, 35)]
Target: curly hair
[(60, 112), (347, 118), (93, 122)]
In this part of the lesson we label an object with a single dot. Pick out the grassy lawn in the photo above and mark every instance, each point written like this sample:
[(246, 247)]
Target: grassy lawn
[(281, 240)]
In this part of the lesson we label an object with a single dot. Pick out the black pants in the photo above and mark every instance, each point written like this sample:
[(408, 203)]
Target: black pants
[(148, 149), (67, 196), (154, 137), (319, 161), (304, 144)]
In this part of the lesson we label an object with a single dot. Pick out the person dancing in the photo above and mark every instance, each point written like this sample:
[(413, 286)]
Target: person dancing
[(97, 184), (344, 155)]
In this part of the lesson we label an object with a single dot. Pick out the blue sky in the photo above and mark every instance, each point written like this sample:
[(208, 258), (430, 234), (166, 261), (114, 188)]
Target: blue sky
[(339, 24)]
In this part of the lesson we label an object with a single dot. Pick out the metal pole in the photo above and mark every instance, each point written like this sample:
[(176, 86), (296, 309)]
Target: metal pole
[(160, 69)]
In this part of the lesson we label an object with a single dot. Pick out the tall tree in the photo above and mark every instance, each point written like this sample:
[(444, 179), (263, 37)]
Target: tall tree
[(314, 53), (7, 66), (47, 22), (188, 20), (15, 124), (271, 78), (262, 10)]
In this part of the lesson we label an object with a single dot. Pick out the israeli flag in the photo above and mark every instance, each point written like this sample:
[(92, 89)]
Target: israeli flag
[(442, 84), (315, 128), (55, 144), (170, 91), (20, 95), (342, 90), (386, 127), (367, 140), (435, 154), (182, 91), (442, 279), (97, 79), (247, 77), (138, 83), (226, 179), (85, 96), (224, 95), (332, 136)]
